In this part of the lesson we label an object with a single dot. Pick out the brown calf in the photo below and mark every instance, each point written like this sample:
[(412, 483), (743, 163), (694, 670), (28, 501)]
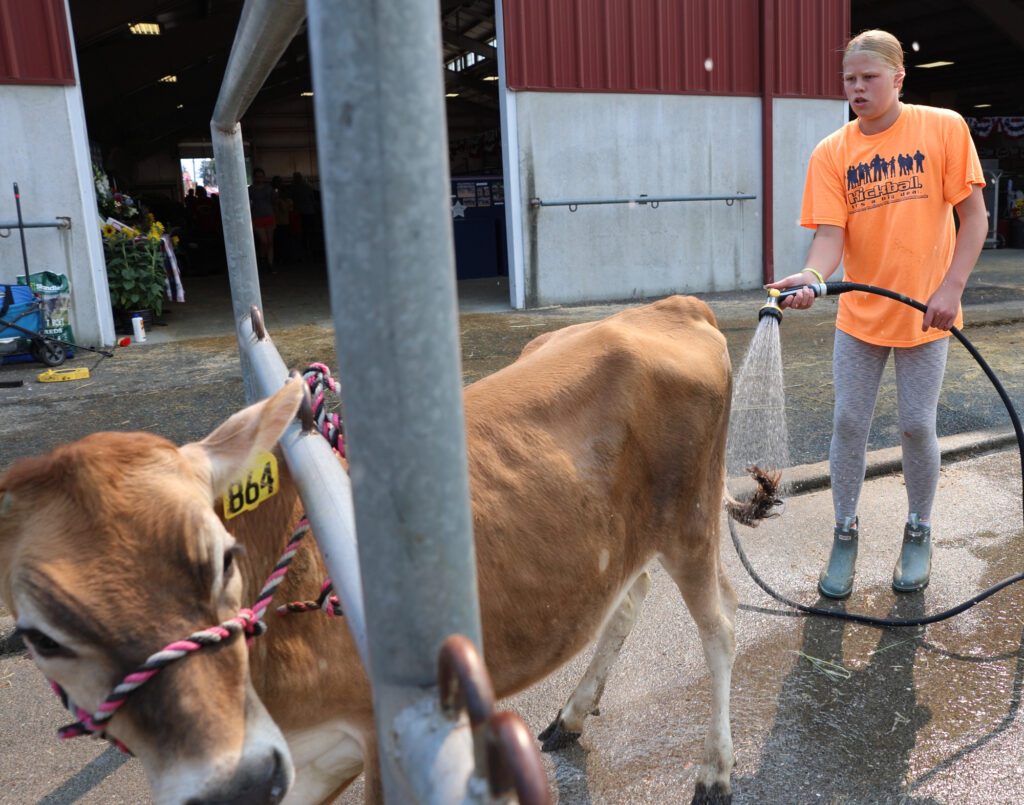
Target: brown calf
[(600, 449)]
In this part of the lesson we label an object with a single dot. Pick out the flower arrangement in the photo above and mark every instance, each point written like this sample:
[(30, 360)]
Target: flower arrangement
[(135, 266), (134, 250), (113, 204)]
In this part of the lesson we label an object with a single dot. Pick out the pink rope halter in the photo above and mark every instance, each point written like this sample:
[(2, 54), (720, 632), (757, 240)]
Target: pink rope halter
[(249, 620)]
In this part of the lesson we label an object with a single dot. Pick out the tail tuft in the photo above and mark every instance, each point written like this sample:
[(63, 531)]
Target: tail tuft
[(764, 503)]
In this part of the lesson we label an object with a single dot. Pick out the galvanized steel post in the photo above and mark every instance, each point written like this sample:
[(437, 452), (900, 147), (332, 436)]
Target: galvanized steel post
[(382, 148), (264, 31), (323, 485)]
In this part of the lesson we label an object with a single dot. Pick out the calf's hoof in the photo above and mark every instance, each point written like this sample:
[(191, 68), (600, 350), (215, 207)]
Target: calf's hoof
[(555, 736), (716, 795)]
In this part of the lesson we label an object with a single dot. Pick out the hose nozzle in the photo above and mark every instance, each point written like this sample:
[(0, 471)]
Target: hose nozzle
[(771, 306)]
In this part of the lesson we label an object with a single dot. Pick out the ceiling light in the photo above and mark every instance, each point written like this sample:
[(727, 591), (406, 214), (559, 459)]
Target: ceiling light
[(451, 95), (982, 105), (181, 106), (144, 28), (915, 46), (490, 78), (931, 64), (307, 94), (169, 79)]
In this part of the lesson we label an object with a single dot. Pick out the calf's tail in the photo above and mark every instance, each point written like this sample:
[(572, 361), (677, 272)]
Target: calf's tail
[(764, 502)]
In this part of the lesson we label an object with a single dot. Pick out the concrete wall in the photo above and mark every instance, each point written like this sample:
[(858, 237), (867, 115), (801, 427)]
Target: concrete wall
[(799, 125), (45, 150), (599, 145)]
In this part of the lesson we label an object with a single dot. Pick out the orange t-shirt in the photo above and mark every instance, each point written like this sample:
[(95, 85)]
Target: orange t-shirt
[(894, 194)]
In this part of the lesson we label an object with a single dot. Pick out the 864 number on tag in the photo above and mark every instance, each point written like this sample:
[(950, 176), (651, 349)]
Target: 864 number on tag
[(260, 482)]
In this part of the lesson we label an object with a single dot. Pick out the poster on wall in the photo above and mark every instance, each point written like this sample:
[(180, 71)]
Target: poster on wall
[(466, 193)]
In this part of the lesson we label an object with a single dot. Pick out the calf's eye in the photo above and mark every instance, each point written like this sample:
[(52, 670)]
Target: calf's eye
[(42, 644), (229, 559)]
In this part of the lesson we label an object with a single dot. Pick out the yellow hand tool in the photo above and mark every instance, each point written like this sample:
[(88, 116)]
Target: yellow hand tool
[(58, 375)]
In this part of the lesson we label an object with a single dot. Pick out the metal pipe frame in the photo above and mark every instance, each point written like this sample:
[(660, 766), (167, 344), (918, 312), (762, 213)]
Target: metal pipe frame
[(641, 199), (324, 486), (60, 223), (264, 31), (382, 145)]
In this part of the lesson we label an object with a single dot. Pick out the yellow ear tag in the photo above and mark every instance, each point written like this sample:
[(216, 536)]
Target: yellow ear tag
[(259, 482)]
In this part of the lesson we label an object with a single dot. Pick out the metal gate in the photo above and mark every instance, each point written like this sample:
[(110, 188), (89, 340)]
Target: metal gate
[(409, 583)]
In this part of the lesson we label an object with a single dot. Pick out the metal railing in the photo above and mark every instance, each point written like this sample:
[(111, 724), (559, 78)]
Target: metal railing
[(380, 120), (61, 222), (641, 200)]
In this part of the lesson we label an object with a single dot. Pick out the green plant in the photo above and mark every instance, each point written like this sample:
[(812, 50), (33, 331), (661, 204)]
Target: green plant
[(135, 268)]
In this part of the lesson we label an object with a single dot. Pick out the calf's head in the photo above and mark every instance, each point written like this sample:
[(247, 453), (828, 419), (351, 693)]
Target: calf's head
[(110, 549)]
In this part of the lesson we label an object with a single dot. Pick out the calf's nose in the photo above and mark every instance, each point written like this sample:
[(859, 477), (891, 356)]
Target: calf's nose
[(257, 782)]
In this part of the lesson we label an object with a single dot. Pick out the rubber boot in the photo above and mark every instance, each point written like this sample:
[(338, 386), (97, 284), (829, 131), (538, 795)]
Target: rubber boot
[(836, 579), (915, 563)]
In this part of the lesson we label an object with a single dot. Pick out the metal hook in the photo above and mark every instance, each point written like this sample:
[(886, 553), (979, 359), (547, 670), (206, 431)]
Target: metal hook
[(573, 207), (729, 202), (654, 205), (465, 685), (257, 323), (513, 762), (463, 681), (306, 406)]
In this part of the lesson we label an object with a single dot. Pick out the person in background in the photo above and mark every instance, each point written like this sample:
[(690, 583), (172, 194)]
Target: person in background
[(305, 205), (283, 249), (892, 227), (261, 207)]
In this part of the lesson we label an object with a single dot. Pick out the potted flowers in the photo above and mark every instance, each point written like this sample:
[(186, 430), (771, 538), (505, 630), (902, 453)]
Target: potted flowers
[(135, 272), (134, 252)]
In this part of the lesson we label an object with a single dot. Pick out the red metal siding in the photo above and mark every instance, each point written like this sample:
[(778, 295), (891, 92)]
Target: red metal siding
[(35, 47), (810, 37), (663, 46)]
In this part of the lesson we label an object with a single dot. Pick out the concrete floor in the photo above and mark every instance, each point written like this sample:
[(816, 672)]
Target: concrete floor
[(294, 296), (821, 712)]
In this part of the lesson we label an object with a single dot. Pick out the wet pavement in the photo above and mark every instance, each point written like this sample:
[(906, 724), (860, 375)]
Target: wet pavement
[(821, 712)]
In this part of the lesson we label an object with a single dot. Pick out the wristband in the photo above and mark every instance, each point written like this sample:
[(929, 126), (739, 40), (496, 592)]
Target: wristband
[(815, 272)]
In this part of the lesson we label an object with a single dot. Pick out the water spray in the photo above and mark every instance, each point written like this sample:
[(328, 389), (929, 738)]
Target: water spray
[(773, 309)]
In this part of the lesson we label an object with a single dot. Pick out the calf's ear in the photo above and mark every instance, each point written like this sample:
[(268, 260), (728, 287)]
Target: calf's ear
[(229, 449)]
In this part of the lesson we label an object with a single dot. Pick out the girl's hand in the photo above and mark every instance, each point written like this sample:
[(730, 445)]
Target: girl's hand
[(943, 306), (803, 298)]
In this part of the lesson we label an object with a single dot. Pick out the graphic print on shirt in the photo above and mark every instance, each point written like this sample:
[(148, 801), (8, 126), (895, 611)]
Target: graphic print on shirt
[(883, 180)]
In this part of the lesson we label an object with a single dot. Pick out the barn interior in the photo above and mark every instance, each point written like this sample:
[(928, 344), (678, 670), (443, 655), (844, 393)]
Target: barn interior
[(151, 70)]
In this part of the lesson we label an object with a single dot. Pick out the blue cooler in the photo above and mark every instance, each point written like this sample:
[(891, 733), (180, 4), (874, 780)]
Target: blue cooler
[(18, 306)]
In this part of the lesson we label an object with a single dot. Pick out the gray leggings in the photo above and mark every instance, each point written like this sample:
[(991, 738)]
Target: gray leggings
[(856, 374)]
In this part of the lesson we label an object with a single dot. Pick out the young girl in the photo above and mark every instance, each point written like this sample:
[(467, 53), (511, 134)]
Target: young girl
[(880, 194)]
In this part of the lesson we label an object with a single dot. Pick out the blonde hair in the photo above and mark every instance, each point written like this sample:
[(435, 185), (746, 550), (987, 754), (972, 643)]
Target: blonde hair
[(881, 44)]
